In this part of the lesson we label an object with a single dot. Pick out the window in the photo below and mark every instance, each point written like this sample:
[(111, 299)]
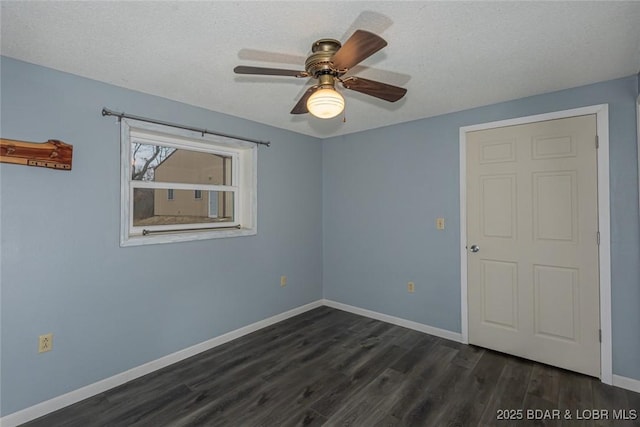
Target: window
[(178, 185)]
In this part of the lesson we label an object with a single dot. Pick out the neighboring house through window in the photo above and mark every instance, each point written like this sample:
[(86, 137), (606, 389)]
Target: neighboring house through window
[(178, 185)]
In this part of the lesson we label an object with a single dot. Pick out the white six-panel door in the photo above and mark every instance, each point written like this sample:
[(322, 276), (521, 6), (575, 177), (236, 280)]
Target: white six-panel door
[(532, 213)]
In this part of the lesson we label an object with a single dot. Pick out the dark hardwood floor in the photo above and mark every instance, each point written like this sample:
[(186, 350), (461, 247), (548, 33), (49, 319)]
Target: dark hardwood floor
[(329, 367)]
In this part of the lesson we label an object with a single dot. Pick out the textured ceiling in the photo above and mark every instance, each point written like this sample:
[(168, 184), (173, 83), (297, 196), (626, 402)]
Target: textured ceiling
[(449, 55)]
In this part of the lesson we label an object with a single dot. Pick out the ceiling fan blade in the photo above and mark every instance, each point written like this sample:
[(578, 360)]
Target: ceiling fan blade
[(242, 69), (370, 87), (301, 106), (361, 45), (266, 56)]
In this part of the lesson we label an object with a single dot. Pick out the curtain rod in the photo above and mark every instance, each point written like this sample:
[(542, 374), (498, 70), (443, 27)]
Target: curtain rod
[(146, 232), (107, 112)]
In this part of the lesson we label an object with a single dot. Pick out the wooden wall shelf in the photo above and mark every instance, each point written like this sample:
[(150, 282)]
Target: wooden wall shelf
[(52, 154)]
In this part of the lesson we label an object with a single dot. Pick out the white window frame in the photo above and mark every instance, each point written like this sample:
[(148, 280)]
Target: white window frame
[(243, 184)]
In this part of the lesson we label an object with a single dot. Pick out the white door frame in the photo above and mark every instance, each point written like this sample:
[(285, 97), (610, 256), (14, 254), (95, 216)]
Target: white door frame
[(604, 250), (209, 204)]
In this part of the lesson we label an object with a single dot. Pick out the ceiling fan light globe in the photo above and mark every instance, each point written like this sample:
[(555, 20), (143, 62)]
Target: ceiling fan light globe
[(325, 103)]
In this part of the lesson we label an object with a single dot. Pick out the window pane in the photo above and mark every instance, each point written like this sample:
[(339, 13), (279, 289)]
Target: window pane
[(166, 164), (153, 207)]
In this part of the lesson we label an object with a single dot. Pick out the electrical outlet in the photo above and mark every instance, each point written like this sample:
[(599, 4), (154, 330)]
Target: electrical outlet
[(440, 223), (45, 343), (283, 281), (411, 287)]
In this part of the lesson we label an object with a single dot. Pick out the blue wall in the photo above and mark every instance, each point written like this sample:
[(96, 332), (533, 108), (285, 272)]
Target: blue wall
[(383, 190), (111, 308)]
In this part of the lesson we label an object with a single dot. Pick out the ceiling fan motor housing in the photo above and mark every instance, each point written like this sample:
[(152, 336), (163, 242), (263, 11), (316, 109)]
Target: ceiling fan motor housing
[(319, 64)]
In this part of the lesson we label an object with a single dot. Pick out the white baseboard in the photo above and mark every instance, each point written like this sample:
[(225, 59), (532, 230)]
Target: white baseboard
[(59, 402), (628, 383), (431, 330)]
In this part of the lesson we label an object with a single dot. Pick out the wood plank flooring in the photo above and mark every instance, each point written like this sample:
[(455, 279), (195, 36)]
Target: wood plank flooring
[(333, 368)]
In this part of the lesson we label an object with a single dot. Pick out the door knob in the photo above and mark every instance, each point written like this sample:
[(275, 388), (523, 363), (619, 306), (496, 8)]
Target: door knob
[(474, 248)]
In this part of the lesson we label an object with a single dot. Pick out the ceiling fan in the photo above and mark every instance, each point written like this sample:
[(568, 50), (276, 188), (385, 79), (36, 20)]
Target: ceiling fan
[(329, 62)]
